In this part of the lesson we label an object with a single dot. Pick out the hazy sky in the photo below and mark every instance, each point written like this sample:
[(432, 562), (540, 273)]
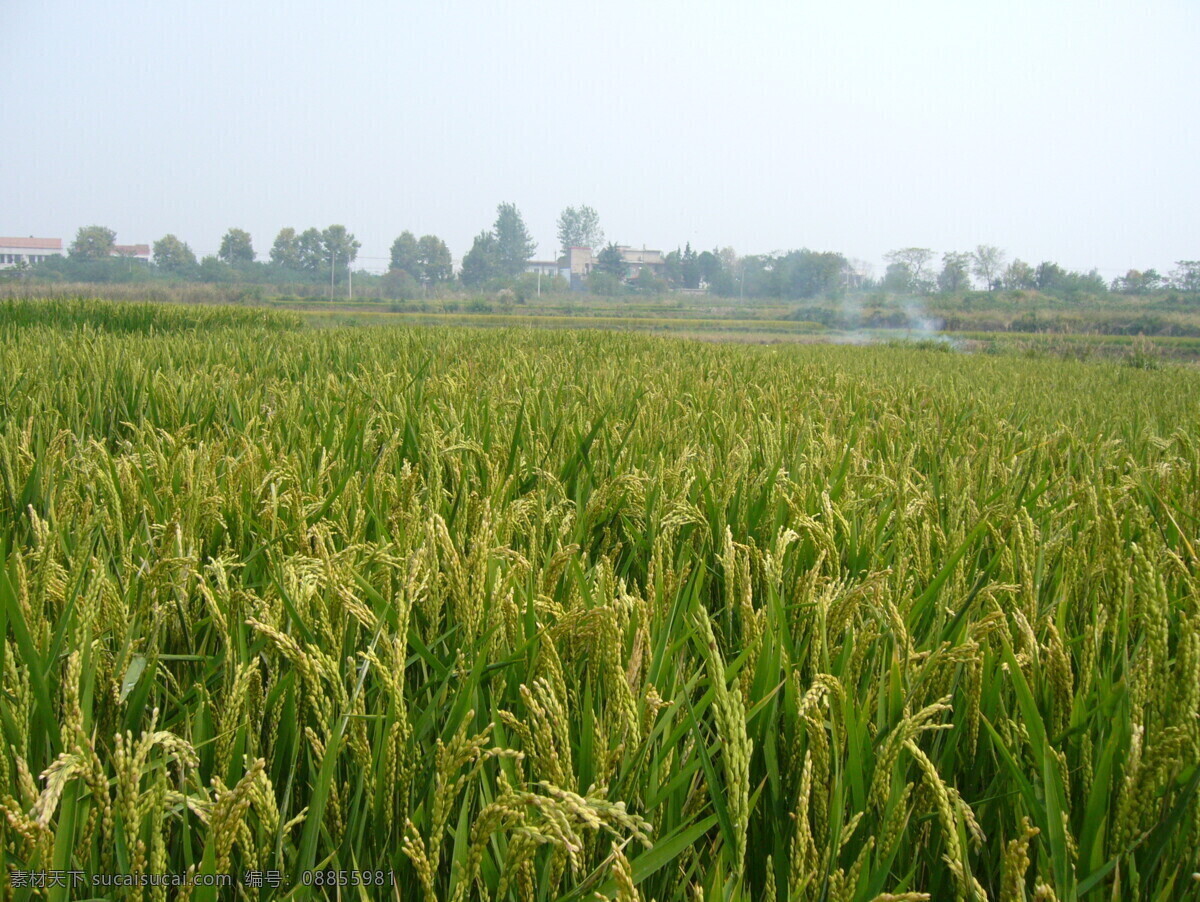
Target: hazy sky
[(1056, 130)]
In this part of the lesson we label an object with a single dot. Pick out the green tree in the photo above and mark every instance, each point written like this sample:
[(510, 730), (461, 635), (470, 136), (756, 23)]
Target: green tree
[(915, 260), (809, 274), (399, 285), (340, 247), (514, 244), (285, 252), (646, 282), (406, 255), (1137, 282), (611, 261), (1069, 285), (1048, 275), (236, 247), (173, 256), (434, 258), (858, 275), (689, 267), (310, 249), (898, 278), (604, 283), (1020, 276), (92, 243), (758, 276), (956, 274), (339, 250), (724, 283), (710, 267), (213, 269), (1186, 275), (579, 227), (673, 267), (987, 262), (482, 262)]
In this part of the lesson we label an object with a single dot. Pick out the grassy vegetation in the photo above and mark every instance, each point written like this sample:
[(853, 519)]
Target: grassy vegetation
[(590, 321), (1162, 314), (105, 316), (1136, 350), (522, 614)]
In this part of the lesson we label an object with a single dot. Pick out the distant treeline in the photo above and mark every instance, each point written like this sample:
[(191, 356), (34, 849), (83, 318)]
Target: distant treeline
[(315, 262)]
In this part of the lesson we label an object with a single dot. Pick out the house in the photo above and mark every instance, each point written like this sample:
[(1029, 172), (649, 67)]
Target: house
[(546, 267), (131, 251), (15, 251), (581, 260), (636, 259)]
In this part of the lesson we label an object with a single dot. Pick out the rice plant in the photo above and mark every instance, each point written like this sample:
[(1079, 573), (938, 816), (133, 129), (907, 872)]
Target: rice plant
[(527, 615)]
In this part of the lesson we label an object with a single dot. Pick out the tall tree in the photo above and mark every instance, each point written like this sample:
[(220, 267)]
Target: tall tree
[(340, 244), (173, 255), (435, 260), (1019, 275), (1186, 275), (341, 249), (758, 276), (482, 261), (514, 244), (1050, 278), (809, 274), (1047, 275), (1137, 282), (956, 274), (236, 247), (92, 243), (858, 274), (710, 267), (212, 269), (673, 267), (689, 267), (916, 259), (579, 227), (611, 261), (285, 251), (311, 250), (898, 278), (987, 262), (406, 255)]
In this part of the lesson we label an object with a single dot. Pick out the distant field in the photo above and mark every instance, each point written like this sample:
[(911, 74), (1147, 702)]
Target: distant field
[(765, 331), (517, 613), (1164, 314), (1163, 347), (583, 321)]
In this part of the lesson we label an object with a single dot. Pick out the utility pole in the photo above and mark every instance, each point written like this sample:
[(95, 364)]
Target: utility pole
[(349, 283), (332, 261)]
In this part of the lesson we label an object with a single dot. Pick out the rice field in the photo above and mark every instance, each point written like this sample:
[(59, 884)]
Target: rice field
[(508, 614)]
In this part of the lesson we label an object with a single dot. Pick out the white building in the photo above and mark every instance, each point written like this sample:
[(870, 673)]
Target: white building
[(547, 267), (15, 251), (582, 261), (131, 251)]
